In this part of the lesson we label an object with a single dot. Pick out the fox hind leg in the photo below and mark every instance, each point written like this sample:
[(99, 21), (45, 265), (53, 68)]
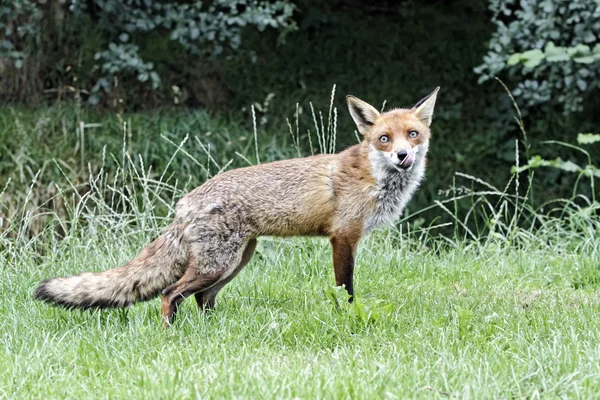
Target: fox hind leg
[(208, 265), (206, 298), (191, 282)]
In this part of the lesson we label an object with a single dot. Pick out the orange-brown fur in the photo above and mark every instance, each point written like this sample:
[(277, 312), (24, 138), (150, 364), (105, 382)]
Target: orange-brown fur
[(213, 236)]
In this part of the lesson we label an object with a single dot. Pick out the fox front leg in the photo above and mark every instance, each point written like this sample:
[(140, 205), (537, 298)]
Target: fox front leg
[(344, 248)]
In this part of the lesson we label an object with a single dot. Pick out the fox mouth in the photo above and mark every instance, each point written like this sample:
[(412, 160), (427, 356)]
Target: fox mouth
[(398, 161), (402, 168), (403, 160)]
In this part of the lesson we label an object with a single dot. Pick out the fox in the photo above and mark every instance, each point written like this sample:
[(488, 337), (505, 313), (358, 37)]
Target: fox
[(213, 236)]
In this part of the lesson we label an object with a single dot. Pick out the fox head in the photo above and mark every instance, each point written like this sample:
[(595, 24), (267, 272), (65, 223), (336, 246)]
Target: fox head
[(397, 139)]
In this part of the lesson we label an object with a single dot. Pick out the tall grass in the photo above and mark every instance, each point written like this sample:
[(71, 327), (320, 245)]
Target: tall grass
[(138, 187)]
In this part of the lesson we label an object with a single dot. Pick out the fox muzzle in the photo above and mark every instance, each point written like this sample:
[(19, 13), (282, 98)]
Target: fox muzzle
[(404, 158)]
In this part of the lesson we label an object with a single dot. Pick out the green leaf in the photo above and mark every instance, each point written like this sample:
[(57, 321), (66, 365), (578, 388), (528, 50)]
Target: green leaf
[(556, 54), (568, 166), (514, 59), (588, 138), (532, 58), (537, 162), (582, 85), (579, 50), (591, 171), (585, 59)]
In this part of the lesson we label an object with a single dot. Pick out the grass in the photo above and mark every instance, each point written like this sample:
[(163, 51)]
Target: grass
[(472, 321), (505, 306)]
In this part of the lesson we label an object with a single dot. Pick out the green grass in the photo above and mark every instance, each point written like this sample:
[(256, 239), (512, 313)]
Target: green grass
[(429, 321), (504, 306)]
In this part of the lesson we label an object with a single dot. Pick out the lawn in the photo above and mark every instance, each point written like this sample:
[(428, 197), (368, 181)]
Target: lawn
[(498, 302), (430, 321)]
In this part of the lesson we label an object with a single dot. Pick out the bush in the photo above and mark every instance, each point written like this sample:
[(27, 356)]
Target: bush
[(549, 47), (200, 28)]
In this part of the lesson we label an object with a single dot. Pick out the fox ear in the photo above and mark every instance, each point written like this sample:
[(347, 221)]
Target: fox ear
[(424, 108), (363, 114)]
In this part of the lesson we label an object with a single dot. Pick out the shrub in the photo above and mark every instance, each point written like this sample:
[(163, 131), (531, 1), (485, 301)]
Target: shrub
[(202, 28), (549, 47)]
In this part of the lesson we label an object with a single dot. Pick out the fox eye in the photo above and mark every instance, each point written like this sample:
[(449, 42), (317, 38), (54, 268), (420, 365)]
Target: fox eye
[(413, 134), (384, 138)]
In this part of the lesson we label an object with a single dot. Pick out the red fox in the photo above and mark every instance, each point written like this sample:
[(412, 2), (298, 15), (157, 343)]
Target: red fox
[(213, 236)]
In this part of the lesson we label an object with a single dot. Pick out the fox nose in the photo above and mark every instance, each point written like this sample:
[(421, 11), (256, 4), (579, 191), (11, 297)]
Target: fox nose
[(402, 154), (406, 158)]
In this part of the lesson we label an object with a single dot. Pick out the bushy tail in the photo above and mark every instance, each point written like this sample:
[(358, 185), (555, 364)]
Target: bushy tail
[(158, 265)]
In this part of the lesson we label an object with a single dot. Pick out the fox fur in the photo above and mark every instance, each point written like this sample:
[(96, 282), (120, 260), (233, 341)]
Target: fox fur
[(213, 236)]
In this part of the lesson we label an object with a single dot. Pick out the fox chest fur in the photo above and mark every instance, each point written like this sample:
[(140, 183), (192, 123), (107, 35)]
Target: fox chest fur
[(393, 192)]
